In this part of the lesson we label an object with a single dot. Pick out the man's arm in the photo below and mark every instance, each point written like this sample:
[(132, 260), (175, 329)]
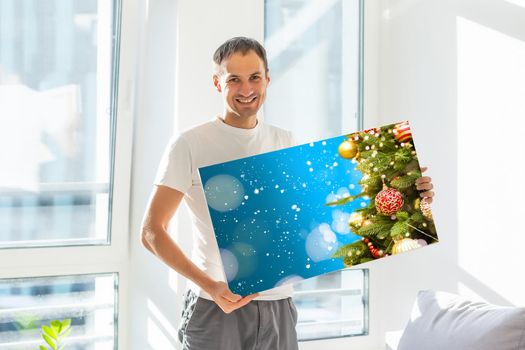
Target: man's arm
[(163, 203)]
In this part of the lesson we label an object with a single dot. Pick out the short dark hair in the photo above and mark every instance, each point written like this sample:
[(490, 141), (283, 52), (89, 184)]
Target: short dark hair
[(240, 44)]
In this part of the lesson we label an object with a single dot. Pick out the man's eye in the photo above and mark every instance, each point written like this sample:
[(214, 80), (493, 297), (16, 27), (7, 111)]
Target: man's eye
[(256, 77), (233, 80)]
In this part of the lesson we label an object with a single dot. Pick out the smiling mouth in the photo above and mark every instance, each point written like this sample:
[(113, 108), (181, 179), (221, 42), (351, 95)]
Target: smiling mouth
[(246, 100)]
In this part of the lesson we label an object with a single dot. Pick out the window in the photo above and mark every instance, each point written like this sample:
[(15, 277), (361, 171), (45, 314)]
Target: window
[(56, 115), (314, 52), (87, 300), (63, 218), (332, 305)]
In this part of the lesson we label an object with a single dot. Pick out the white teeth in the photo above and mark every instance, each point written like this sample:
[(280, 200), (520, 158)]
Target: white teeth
[(248, 100)]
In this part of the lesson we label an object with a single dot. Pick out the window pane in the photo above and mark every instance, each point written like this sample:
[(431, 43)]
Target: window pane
[(88, 300), (56, 118), (313, 57), (332, 305)]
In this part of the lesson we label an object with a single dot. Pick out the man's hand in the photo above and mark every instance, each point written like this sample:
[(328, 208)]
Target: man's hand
[(225, 299), (424, 183)]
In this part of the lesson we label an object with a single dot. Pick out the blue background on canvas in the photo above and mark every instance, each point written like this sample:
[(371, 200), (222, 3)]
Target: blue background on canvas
[(283, 231)]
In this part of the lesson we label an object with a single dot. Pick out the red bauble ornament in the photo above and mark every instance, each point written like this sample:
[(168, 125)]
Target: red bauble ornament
[(402, 132), (389, 201)]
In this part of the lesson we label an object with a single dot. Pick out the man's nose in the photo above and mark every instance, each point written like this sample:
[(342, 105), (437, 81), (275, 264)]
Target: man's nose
[(246, 89)]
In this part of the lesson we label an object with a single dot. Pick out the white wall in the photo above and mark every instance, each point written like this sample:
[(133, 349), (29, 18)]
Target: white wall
[(456, 69), (154, 301)]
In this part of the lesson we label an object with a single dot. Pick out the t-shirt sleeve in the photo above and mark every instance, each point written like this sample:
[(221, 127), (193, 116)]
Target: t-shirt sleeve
[(175, 167), (291, 139)]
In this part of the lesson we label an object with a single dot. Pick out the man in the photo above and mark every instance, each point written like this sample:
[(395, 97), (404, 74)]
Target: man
[(213, 317)]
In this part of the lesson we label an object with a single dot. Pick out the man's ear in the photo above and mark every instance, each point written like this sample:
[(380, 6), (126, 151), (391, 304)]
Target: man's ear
[(217, 83), (268, 77)]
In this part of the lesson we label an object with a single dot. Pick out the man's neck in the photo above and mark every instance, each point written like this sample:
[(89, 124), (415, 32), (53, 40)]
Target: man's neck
[(239, 122)]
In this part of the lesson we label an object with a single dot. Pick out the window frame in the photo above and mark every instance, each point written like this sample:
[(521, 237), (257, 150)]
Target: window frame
[(113, 257)]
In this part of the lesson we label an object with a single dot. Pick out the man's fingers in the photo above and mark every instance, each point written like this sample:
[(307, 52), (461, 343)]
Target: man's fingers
[(423, 179), (252, 296), (246, 300), (426, 194), (232, 306), (423, 169), (229, 296), (424, 183), (425, 186)]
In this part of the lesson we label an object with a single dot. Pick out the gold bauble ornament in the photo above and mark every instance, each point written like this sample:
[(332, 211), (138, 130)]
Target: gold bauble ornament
[(356, 219), (348, 149), (404, 245), (425, 209)]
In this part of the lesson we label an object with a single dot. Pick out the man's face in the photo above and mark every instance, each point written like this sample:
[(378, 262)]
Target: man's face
[(242, 82)]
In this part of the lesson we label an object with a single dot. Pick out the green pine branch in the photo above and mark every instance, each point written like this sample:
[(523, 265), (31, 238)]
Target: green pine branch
[(357, 248), (354, 253), (346, 200), (378, 231), (399, 229), (403, 182)]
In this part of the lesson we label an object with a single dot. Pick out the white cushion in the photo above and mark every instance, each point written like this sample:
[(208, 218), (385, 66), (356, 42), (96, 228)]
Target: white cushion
[(392, 339), (444, 321)]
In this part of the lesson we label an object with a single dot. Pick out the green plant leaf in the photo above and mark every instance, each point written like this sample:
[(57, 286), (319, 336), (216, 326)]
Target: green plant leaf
[(49, 331), (65, 333), (50, 341), (42, 347), (66, 323), (56, 325)]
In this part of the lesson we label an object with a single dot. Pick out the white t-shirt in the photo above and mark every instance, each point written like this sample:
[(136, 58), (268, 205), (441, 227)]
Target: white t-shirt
[(211, 143)]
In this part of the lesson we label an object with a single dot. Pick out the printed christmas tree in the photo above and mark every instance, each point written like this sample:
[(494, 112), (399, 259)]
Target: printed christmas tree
[(397, 219)]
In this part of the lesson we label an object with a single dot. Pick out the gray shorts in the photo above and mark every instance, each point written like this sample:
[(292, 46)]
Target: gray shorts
[(260, 325)]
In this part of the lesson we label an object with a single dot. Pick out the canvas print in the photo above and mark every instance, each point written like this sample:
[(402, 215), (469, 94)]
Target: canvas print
[(284, 216)]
